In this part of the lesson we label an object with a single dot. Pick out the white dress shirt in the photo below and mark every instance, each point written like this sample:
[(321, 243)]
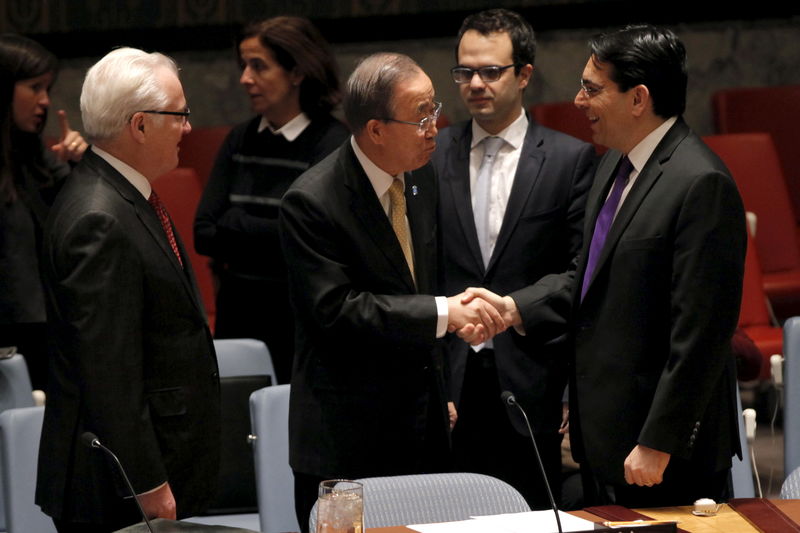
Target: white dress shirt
[(381, 181)]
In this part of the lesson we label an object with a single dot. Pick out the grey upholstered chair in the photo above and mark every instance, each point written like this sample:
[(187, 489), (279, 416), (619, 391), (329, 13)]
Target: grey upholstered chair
[(791, 395), (428, 498), (791, 486)]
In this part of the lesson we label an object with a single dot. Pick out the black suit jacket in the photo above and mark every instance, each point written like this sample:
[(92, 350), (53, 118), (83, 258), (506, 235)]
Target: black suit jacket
[(133, 360), (652, 358), (541, 233), (367, 372)]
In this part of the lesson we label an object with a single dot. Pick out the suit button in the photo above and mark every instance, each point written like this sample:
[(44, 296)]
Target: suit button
[(215, 375)]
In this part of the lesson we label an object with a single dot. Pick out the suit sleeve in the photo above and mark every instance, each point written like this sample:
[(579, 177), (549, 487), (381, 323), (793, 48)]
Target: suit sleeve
[(707, 270), (100, 288), (545, 306), (335, 287)]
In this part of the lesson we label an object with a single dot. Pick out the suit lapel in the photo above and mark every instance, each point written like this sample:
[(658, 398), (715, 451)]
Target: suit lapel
[(530, 163), (458, 181), (368, 210), (648, 177), (148, 218)]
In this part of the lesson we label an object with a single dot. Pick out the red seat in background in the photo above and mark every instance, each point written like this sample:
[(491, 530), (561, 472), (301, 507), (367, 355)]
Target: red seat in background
[(774, 110), (180, 190), (754, 316), (566, 118), (199, 149), (753, 162)]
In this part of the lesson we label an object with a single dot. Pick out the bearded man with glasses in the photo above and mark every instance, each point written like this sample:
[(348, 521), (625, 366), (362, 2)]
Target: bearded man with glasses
[(512, 196)]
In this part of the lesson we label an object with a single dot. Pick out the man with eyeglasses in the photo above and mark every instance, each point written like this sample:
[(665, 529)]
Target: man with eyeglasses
[(360, 236), (132, 357), (512, 199), (656, 290)]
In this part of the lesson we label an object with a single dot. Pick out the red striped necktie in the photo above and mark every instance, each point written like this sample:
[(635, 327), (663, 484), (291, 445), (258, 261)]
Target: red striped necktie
[(163, 217)]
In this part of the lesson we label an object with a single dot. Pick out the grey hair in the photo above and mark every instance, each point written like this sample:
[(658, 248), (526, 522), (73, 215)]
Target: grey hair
[(370, 88), (120, 84)]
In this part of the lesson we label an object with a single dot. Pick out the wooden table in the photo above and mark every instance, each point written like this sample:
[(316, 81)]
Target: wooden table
[(726, 520)]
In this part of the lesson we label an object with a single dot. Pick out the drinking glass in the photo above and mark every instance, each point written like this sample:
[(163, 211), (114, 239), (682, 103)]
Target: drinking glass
[(340, 507)]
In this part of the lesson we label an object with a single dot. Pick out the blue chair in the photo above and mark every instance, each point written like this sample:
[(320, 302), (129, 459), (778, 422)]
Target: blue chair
[(20, 430), (428, 498), (245, 365), (791, 395), (269, 418), (244, 357), (15, 391), (742, 470), (15, 383)]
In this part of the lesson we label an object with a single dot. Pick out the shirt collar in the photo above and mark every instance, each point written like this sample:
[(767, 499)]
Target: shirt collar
[(291, 130), (127, 171), (513, 134), (642, 151), (380, 179)]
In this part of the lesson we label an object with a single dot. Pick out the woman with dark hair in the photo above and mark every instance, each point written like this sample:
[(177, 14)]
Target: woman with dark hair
[(290, 76), (30, 176)]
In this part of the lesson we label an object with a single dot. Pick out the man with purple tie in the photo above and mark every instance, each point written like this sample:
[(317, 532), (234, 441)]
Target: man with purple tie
[(655, 295)]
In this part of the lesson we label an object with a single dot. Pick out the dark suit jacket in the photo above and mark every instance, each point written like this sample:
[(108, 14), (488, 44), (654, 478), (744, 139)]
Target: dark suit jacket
[(541, 233), (367, 372), (133, 360), (652, 338)]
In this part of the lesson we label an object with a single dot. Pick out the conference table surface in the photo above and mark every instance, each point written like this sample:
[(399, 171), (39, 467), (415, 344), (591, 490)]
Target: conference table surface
[(725, 521)]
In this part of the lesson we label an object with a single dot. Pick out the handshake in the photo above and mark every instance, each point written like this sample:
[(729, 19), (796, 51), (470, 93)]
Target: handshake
[(476, 315)]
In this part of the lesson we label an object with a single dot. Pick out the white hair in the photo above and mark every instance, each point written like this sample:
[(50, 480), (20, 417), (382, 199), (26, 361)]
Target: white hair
[(120, 84)]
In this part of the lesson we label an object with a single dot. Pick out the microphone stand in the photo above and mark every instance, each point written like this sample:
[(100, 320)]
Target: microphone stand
[(508, 398), (91, 440)]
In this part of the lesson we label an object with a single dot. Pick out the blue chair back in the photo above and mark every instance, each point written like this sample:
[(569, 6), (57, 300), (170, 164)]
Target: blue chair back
[(269, 418), (791, 395), (20, 430)]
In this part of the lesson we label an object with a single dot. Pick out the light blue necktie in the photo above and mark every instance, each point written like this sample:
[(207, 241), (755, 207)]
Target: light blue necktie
[(483, 187)]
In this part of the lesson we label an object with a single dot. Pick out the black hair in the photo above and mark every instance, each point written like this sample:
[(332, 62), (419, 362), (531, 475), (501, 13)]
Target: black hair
[(523, 39), (20, 59), (649, 56)]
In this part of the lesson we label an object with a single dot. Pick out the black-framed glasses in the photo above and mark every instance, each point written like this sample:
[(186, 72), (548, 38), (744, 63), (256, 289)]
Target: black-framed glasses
[(590, 90), (426, 123), (490, 73), (183, 114)]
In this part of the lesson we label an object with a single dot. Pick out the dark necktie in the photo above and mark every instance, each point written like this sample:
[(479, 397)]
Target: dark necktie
[(604, 220), (163, 217)]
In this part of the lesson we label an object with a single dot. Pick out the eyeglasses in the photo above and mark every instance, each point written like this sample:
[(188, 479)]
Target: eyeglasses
[(426, 123), (490, 73), (183, 114), (590, 90)]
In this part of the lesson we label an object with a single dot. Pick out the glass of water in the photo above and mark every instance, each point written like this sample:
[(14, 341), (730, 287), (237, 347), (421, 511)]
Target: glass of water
[(340, 507)]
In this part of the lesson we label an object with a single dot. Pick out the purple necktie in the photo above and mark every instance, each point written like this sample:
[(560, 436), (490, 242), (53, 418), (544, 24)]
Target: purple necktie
[(604, 220)]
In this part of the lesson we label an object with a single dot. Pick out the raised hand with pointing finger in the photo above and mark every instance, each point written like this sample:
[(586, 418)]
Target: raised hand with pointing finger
[(70, 145)]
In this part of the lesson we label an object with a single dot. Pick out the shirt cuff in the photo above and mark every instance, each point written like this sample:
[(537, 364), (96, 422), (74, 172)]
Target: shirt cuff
[(442, 314)]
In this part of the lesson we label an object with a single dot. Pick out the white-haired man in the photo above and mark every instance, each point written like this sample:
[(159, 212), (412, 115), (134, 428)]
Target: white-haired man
[(133, 361)]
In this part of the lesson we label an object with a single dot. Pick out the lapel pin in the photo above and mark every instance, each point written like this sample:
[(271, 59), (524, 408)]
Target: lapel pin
[(414, 190)]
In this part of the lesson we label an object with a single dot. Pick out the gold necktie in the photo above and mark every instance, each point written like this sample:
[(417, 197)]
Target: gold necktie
[(397, 212)]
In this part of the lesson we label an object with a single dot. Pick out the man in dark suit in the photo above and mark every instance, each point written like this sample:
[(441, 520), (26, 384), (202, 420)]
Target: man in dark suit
[(657, 287), (525, 222), (360, 235), (133, 360)]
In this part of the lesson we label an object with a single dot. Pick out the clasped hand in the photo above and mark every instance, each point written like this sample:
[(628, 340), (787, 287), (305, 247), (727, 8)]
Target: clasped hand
[(477, 315)]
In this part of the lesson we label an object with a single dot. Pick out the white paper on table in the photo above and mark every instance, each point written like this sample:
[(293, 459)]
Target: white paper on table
[(462, 526), (542, 521)]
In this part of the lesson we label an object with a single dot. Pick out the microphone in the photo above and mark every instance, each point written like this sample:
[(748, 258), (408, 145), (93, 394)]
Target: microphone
[(90, 440), (508, 398)]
